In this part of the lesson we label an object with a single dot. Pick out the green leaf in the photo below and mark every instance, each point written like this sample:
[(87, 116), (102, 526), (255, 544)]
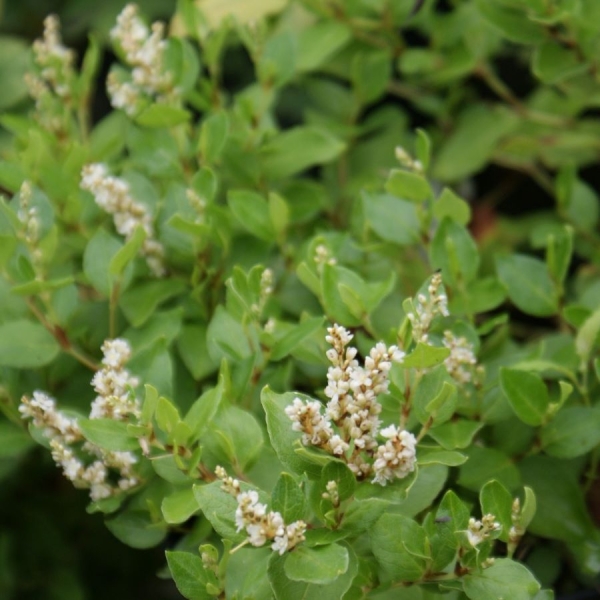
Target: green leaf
[(128, 252), (288, 498), (36, 286), (295, 336), (512, 23), (226, 338), (495, 499), (134, 528), (252, 211), (297, 149), (528, 507), (442, 406), (574, 431), (97, 259), (454, 251), (392, 219), (213, 135), (179, 506), (561, 511), (219, 508), (400, 547), (26, 345), (167, 415), (458, 433), (201, 414), (193, 349), (559, 253), (140, 302), (452, 206), (319, 565), (504, 579), (13, 440), (473, 141), (190, 575), (361, 514), (553, 62), (320, 41), (162, 115), (408, 186), (370, 72), (587, 337), (283, 439), (108, 434), (422, 493), (284, 588), (528, 283), (485, 464), (432, 455), (423, 148), (342, 475), (526, 394), (425, 357)]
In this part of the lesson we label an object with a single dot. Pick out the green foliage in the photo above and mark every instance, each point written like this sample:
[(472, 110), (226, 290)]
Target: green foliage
[(364, 378)]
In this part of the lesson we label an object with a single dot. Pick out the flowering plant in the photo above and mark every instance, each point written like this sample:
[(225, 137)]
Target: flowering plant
[(250, 312)]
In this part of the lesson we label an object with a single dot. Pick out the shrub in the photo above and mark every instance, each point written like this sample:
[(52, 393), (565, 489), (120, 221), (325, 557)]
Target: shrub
[(322, 365)]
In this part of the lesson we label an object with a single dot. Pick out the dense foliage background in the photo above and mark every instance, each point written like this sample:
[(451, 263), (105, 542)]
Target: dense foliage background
[(304, 103)]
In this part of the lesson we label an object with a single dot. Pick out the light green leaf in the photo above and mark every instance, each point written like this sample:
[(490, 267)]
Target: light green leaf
[(179, 506), (452, 206), (408, 186), (320, 41), (288, 498), (425, 357), (134, 528), (298, 149), (527, 395), (504, 579), (495, 499), (190, 575), (295, 336), (213, 135), (108, 434), (392, 219), (553, 62), (320, 564), (432, 455), (574, 431), (128, 252), (162, 115), (528, 283), (26, 345)]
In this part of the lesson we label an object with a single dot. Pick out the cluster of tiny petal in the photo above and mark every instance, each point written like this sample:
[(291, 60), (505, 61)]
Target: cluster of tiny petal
[(54, 59), (397, 457), (261, 525), (28, 215), (143, 50), (462, 359), (265, 291), (316, 429), (332, 493), (323, 257), (114, 384), (479, 531), (353, 406), (517, 530), (51, 85), (427, 308), (197, 203), (113, 195), (407, 161), (41, 409)]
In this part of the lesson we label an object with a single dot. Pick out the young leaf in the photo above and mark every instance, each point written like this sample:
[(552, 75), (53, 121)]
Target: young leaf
[(108, 434), (495, 499), (574, 431), (504, 579), (408, 186), (179, 506), (526, 394), (319, 565), (288, 498), (26, 345), (190, 575)]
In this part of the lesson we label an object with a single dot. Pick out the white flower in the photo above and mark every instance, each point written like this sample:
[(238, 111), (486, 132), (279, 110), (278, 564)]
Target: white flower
[(396, 458)]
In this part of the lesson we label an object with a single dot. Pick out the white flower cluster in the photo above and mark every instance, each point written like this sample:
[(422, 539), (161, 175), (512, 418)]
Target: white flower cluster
[(28, 215), (427, 308), (517, 530), (479, 531), (265, 291), (114, 196), (109, 471), (143, 50), (323, 257), (396, 458), (407, 161), (462, 359), (197, 203), (260, 525), (51, 86), (114, 384), (354, 409)]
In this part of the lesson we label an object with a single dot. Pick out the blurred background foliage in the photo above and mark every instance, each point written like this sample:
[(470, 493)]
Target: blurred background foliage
[(509, 92)]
